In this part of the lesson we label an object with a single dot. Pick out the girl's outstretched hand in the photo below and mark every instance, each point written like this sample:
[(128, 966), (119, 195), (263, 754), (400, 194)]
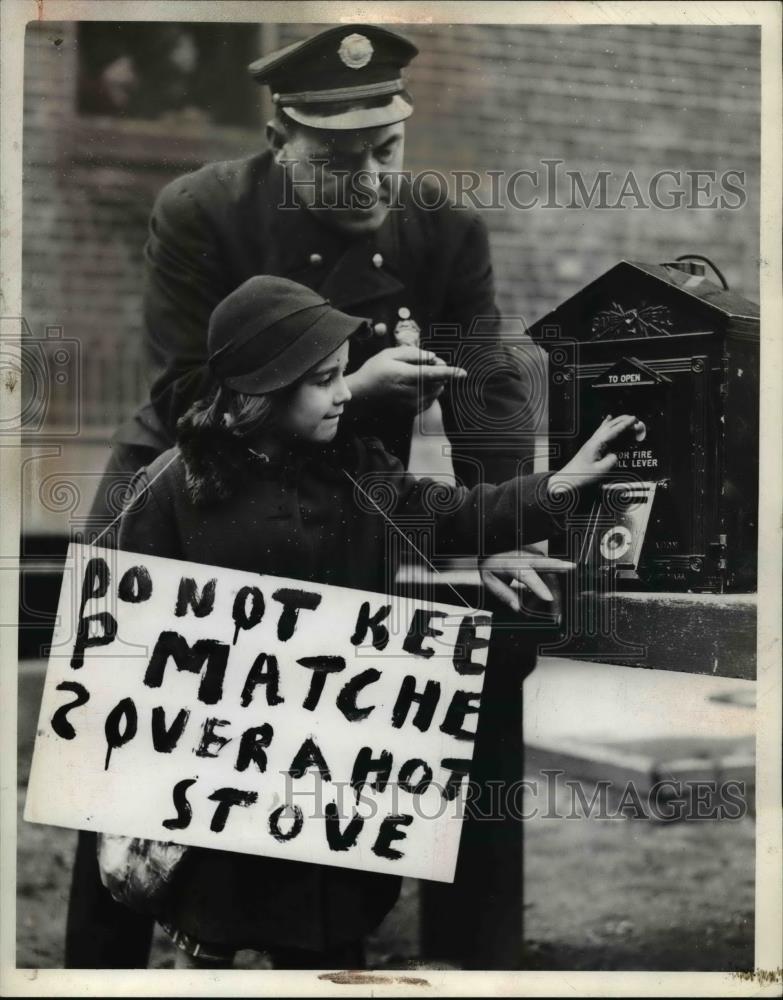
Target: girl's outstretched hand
[(597, 456)]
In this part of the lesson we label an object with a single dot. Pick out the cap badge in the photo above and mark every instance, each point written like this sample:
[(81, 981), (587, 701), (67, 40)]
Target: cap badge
[(355, 51)]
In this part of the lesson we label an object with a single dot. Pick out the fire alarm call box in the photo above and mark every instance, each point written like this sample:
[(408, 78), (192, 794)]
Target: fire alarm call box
[(668, 344)]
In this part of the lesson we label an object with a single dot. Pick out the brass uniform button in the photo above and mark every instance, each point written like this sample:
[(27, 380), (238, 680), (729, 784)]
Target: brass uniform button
[(377, 260), (404, 312), (380, 329), (316, 259)]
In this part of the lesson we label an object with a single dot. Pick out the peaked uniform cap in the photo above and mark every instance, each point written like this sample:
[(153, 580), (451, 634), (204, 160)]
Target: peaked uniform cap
[(347, 77)]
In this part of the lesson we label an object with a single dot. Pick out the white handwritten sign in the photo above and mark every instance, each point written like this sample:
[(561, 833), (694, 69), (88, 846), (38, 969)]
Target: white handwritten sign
[(252, 713)]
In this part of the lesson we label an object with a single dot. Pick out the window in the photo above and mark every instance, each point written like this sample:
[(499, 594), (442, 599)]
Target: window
[(168, 71)]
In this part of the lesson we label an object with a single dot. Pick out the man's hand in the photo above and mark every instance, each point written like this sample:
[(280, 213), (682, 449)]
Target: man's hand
[(596, 458), (505, 574), (403, 375)]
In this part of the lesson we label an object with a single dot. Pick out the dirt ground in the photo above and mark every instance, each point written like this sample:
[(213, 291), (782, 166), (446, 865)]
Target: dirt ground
[(599, 894)]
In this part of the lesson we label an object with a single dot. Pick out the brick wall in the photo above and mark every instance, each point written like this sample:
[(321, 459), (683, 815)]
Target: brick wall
[(637, 99)]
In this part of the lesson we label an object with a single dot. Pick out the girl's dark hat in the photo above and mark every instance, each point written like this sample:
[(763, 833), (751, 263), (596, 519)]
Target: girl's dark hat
[(270, 331), (347, 77)]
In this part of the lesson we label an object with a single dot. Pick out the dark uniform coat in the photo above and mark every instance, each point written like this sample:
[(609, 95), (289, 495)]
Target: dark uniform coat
[(212, 229), (299, 516)]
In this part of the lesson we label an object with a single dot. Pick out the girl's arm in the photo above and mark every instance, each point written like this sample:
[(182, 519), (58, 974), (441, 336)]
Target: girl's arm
[(482, 519), (487, 519)]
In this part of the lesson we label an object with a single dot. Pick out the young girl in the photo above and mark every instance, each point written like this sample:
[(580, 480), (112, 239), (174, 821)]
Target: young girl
[(263, 480)]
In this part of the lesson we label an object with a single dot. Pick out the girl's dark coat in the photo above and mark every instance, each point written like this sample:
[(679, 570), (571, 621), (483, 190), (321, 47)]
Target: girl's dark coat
[(215, 502)]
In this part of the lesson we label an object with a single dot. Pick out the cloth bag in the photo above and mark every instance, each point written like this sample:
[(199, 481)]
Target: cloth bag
[(137, 872)]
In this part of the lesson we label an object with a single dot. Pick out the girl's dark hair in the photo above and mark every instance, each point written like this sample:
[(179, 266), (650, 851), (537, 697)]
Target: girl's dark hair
[(236, 412)]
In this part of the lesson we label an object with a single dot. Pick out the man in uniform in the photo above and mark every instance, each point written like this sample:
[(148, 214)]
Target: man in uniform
[(326, 206)]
